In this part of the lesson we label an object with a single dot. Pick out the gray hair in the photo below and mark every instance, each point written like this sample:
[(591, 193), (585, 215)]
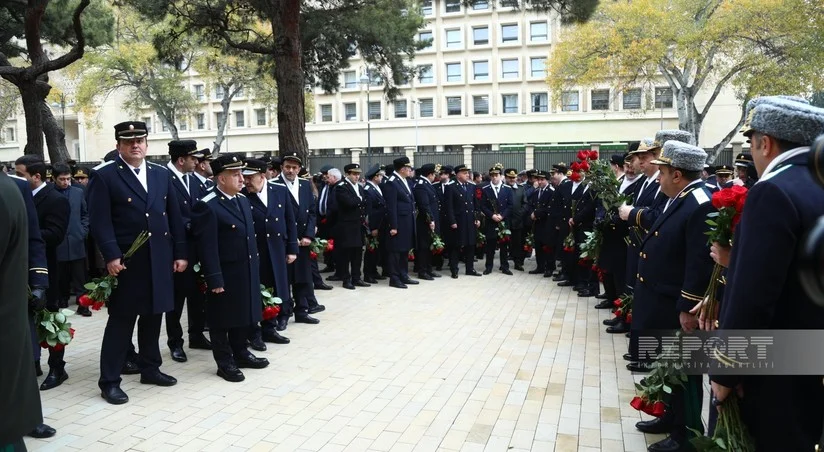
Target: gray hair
[(334, 172)]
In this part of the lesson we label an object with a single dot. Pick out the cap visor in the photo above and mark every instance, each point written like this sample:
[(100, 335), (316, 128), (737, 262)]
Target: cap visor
[(659, 162)]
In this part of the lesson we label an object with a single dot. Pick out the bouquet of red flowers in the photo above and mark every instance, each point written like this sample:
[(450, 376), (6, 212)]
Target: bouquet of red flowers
[(371, 244), (729, 203), (480, 238), (529, 242), (54, 331), (437, 245), (271, 303), (320, 246), (411, 256), (591, 248), (100, 289), (504, 234), (666, 373), (623, 307)]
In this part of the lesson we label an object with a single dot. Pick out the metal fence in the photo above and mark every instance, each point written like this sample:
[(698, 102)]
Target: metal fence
[(482, 161), (367, 160), (725, 157), (442, 158), (337, 161)]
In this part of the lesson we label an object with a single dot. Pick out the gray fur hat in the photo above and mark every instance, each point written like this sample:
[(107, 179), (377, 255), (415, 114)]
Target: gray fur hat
[(682, 156), (786, 120), (673, 135), (752, 103)]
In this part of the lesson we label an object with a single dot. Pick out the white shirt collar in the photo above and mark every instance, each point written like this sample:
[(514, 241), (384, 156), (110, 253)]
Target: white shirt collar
[(37, 190), (263, 195), (224, 194), (670, 200), (174, 170), (202, 179), (782, 157)]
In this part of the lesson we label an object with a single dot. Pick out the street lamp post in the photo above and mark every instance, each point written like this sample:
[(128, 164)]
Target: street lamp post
[(415, 114), (368, 81)]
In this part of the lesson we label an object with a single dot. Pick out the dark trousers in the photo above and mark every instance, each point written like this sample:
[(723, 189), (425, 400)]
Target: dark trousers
[(72, 278), (423, 258), (569, 265), (316, 277), (489, 250), (398, 263), (370, 261), (465, 254), (227, 343), (517, 246), (117, 342), (303, 295), (55, 357), (185, 291), (349, 262), (678, 406)]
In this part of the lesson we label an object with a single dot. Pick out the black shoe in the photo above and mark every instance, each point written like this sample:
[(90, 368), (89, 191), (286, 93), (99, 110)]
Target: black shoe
[(360, 283), (579, 287), (612, 322), (37, 370), (251, 361), (410, 281), (425, 277), (518, 267), (548, 275), (114, 395), (487, 271), (306, 319), (281, 323), (84, 311), (560, 277), (158, 378), (627, 335), (585, 294), (130, 368), (604, 304), (230, 373), (199, 342), (602, 296), (42, 431), (323, 286), (639, 367), (327, 269), (274, 337), (628, 357), (257, 344), (618, 328), (370, 280), (655, 426), (473, 273), (507, 272), (381, 277), (316, 309), (434, 275), (334, 278), (537, 271), (454, 274), (565, 284), (348, 285), (668, 445), (397, 285), (54, 379), (178, 354)]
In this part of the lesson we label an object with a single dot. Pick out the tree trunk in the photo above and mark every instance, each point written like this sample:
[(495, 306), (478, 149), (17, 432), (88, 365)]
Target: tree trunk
[(55, 135), (732, 133), (289, 78), (225, 103), (32, 100)]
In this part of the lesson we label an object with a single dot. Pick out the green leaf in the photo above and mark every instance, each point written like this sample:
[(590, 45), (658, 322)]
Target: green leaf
[(266, 294), (639, 387), (667, 389), (59, 318), (49, 326), (90, 286), (52, 341), (104, 284), (67, 312), (64, 337)]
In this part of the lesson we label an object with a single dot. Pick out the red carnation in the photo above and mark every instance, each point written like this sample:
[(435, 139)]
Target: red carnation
[(593, 155), (637, 403), (629, 318), (584, 166), (658, 409), (330, 245), (583, 154), (58, 347), (97, 305), (85, 301), (617, 303), (313, 255), (44, 344)]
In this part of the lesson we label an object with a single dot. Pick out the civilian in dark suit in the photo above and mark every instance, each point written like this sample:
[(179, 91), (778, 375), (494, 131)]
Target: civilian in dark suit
[(71, 254), (129, 195), (350, 227), (496, 206), (53, 217), (184, 158), (428, 220), (327, 214), (376, 213), (461, 210), (225, 234), (516, 223), (400, 207)]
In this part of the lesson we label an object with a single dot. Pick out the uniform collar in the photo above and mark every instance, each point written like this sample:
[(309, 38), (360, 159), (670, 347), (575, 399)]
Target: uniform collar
[(781, 158)]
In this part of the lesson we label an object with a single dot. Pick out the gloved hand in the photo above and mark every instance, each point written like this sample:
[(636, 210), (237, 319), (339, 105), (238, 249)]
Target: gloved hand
[(38, 298)]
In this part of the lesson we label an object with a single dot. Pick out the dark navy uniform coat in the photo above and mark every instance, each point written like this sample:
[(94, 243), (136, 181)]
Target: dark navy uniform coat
[(426, 199), (349, 228), (502, 204), (463, 205), (38, 272), (119, 210), (400, 214), (376, 209), (543, 227), (614, 248), (300, 271)]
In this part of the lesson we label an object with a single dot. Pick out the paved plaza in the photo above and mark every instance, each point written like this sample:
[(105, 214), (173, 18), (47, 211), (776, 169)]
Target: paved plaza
[(498, 363)]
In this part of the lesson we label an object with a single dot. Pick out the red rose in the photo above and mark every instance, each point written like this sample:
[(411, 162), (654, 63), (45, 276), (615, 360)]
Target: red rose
[(593, 155), (84, 301), (330, 245), (478, 193), (735, 220), (44, 344), (658, 409), (575, 177), (323, 220), (583, 155), (584, 166), (739, 203), (724, 198), (71, 332), (203, 287), (97, 305), (629, 318), (269, 313), (637, 403), (574, 167), (617, 303), (58, 347), (313, 255)]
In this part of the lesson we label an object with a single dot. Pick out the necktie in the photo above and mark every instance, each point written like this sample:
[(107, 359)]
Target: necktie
[(186, 183), (495, 187), (323, 201), (137, 170), (237, 204)]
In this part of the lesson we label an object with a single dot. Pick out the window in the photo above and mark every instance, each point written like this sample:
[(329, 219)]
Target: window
[(480, 70), (453, 106), (375, 110), (426, 8), (453, 6), (220, 119), (10, 134), (219, 92), (326, 113), (201, 121), (350, 79), (453, 39), (199, 92), (509, 3), (632, 99), (260, 116), (539, 102), (480, 35), (600, 99), (426, 108), (239, 92), (509, 33), (509, 103), (240, 121), (426, 74), (509, 68), (350, 111), (164, 126), (148, 122), (569, 101), (663, 97), (426, 36), (538, 32), (182, 126), (537, 67), (480, 5), (375, 78), (480, 105), (453, 72), (400, 108)]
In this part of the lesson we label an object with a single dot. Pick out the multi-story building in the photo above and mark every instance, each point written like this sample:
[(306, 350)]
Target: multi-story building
[(482, 83)]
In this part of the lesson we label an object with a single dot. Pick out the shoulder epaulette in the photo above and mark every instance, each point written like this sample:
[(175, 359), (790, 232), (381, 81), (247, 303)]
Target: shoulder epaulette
[(281, 184), (392, 178), (18, 177), (470, 183), (339, 182), (700, 196), (366, 187), (506, 186), (241, 194), (148, 164), (710, 186), (102, 165), (209, 197), (449, 182)]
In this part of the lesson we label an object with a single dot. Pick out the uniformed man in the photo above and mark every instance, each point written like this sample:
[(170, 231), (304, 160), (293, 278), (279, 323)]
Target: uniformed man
[(275, 230), (400, 215), (327, 214), (184, 157), (542, 225), (764, 290), (225, 233), (203, 169), (350, 227), (428, 220), (445, 175), (516, 224), (582, 223), (558, 180), (721, 179), (496, 207), (461, 213), (567, 195), (376, 212), (129, 195), (674, 270), (81, 175), (742, 163)]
